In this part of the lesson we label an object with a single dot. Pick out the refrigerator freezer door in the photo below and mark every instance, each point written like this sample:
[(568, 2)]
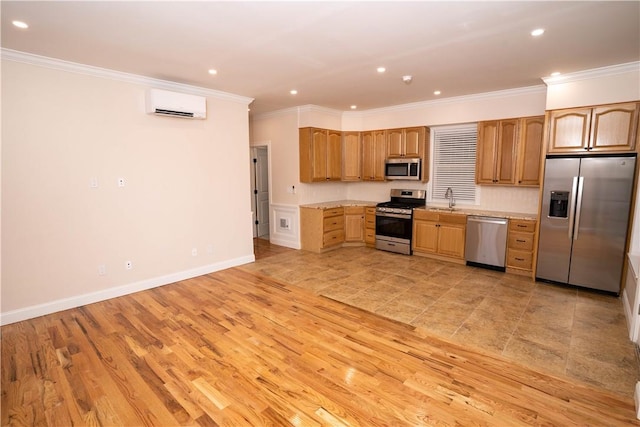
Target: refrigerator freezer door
[(554, 245), (598, 250)]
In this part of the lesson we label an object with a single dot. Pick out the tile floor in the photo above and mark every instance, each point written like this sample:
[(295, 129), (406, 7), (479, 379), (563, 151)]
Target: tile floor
[(562, 330)]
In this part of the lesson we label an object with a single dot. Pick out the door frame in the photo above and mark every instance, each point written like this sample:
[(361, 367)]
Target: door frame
[(267, 145)]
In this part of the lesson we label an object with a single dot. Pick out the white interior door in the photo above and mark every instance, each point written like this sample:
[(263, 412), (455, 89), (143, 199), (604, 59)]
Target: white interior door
[(260, 199)]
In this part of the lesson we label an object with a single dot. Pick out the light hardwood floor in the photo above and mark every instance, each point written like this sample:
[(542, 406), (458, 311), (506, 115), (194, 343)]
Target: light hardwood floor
[(563, 330), (238, 347)]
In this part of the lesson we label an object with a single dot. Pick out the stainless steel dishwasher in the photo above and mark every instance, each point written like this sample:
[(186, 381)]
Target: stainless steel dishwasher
[(486, 242)]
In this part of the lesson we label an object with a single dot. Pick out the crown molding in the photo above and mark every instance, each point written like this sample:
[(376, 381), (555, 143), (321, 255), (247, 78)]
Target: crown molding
[(311, 108), (74, 67), (595, 73), (276, 113), (539, 89), (308, 108)]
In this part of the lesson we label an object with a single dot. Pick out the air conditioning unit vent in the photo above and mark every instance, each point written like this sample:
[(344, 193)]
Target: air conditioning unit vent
[(174, 104), (172, 113)]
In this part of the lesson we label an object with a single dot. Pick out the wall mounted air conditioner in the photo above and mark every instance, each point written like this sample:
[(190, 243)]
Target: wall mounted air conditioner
[(167, 103)]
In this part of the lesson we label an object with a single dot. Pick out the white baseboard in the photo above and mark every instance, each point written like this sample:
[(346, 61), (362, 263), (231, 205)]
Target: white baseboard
[(637, 400), (627, 312), (80, 300), (284, 242)]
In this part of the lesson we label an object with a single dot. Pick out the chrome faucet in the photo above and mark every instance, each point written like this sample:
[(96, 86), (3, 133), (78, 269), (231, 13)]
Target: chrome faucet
[(449, 195)]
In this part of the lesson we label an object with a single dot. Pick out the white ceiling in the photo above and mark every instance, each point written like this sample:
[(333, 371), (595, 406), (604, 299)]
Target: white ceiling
[(329, 51)]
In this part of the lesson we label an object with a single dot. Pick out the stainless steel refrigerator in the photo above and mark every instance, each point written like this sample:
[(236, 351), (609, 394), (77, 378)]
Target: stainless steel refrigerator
[(586, 203)]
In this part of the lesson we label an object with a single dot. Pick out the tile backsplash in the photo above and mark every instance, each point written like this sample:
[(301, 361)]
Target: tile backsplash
[(509, 199)]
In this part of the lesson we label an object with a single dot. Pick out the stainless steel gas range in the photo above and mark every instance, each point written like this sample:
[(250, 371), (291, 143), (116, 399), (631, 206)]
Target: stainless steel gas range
[(394, 220)]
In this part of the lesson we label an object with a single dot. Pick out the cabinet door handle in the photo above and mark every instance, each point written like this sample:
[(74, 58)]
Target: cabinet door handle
[(520, 241), (522, 226), (519, 259)]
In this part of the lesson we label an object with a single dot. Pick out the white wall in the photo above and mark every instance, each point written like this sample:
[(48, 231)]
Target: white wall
[(620, 83), (608, 85), (281, 129), (521, 102), (63, 129)]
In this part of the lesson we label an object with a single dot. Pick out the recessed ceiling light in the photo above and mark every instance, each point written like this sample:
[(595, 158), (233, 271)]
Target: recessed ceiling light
[(381, 69), (537, 32), (20, 24), (213, 72), (436, 92), (353, 107), (555, 74), (293, 92)]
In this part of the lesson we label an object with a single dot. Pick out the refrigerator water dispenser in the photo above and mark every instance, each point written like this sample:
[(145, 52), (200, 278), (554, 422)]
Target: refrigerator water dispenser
[(558, 208)]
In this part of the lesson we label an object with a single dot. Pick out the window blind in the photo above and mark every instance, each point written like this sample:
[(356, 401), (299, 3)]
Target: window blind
[(454, 163)]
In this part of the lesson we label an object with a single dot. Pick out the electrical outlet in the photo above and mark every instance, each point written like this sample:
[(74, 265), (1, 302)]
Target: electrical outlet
[(128, 265), (121, 182), (93, 182), (102, 270), (209, 248), (194, 252)]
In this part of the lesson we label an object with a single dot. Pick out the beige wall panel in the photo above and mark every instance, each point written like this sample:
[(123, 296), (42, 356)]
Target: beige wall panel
[(187, 186)]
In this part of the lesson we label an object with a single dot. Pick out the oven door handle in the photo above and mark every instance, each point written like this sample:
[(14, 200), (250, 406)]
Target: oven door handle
[(392, 215)]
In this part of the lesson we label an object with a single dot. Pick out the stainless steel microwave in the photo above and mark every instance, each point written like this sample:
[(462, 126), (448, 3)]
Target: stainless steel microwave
[(405, 169)]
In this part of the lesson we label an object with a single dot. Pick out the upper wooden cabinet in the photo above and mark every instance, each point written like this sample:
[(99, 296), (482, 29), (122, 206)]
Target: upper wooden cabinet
[(328, 155), (320, 155), (605, 128), (374, 152), (496, 152), (410, 142), (530, 150), (509, 151), (406, 142), (351, 156)]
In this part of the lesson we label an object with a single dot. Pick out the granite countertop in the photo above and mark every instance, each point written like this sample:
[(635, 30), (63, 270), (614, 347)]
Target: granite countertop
[(482, 212), (461, 211), (339, 203)]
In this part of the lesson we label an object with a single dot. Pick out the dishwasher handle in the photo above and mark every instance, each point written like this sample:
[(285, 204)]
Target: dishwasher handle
[(487, 220)]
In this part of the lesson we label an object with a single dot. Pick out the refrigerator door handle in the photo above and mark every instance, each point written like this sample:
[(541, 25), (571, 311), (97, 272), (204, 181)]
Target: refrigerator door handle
[(578, 207), (572, 206)]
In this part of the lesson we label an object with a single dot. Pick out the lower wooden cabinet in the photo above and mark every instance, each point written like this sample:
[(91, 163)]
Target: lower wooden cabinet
[(321, 229), (370, 227), (354, 224), (440, 234), (520, 245), (329, 228)]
